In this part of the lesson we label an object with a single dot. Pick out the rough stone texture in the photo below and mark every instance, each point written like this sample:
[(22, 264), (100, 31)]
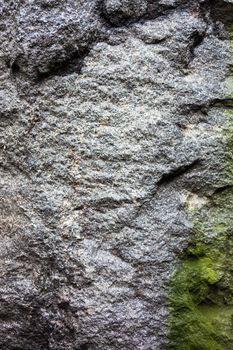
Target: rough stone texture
[(110, 118)]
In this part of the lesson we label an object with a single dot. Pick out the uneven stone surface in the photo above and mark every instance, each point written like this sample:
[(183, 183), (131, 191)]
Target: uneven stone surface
[(111, 117)]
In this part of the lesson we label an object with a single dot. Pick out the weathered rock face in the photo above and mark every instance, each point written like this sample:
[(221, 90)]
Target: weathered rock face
[(111, 115)]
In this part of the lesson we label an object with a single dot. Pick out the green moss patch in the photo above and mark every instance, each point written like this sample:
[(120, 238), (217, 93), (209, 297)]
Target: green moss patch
[(201, 298)]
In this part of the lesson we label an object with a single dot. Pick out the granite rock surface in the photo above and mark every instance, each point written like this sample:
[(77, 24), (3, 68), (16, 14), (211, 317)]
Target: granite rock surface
[(111, 117)]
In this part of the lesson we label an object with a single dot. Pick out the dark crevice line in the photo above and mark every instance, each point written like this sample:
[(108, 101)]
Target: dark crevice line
[(224, 102), (196, 40), (176, 173), (222, 189), (72, 64)]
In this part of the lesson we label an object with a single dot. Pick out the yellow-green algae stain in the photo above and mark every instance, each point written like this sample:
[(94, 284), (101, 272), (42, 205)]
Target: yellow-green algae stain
[(201, 296)]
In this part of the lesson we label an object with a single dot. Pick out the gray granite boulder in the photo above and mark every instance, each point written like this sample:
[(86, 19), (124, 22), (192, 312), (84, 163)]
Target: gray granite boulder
[(110, 119)]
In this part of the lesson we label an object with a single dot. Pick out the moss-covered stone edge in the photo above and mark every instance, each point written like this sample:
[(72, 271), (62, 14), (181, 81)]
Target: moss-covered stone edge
[(201, 289)]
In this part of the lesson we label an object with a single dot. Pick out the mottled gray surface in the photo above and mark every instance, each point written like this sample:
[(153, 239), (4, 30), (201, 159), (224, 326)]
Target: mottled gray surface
[(110, 120)]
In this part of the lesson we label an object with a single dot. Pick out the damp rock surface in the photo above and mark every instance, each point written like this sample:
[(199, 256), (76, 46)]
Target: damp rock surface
[(111, 117)]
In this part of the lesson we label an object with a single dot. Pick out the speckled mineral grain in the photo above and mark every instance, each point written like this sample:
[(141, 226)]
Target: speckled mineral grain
[(112, 131)]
